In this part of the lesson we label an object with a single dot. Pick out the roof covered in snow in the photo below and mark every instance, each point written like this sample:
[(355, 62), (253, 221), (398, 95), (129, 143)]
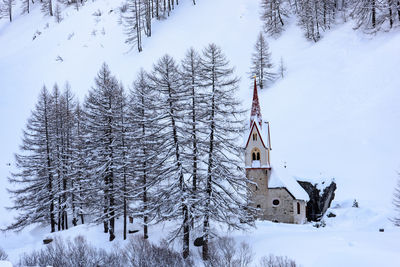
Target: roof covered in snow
[(280, 178), (263, 132)]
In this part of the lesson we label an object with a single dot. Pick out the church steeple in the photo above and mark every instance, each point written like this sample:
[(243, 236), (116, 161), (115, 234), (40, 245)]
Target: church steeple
[(255, 108)]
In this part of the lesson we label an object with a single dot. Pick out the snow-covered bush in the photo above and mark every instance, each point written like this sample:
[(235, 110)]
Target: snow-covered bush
[(225, 252), (355, 203), (3, 255), (277, 261), (137, 253)]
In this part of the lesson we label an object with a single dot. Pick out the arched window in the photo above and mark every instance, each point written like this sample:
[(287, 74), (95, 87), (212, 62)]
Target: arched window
[(298, 208), (255, 154), (254, 137)]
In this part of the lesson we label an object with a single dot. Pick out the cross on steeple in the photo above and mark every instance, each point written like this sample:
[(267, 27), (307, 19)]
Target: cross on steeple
[(255, 108)]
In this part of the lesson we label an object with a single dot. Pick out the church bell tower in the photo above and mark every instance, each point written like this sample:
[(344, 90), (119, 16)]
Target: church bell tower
[(257, 154)]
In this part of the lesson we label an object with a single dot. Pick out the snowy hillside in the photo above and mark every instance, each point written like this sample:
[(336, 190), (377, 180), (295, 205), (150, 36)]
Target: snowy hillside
[(335, 115)]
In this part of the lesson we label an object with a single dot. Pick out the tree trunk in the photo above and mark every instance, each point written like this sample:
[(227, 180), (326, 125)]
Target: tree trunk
[(373, 14), (206, 225), (185, 252), (50, 182)]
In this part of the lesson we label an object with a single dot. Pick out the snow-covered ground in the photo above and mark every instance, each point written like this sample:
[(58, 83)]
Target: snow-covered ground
[(335, 115)]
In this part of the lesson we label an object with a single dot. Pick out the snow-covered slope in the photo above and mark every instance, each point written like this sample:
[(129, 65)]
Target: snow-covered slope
[(335, 114)]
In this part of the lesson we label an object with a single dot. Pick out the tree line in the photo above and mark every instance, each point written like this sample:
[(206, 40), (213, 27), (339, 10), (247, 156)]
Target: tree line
[(166, 149), (316, 16)]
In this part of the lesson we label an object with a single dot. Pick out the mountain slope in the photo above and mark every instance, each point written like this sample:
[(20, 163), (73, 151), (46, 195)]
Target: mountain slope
[(335, 114)]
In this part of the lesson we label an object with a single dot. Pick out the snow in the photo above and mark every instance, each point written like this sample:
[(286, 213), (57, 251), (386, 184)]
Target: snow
[(5, 264), (280, 178), (335, 114), (255, 164)]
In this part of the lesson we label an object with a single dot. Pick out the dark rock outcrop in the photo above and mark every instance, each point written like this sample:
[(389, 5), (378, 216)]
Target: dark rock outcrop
[(319, 203), (47, 241), (198, 242)]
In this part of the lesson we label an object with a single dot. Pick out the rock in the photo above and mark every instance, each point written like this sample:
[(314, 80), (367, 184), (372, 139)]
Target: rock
[(331, 215), (319, 203), (198, 242), (47, 241), (133, 231), (381, 230)]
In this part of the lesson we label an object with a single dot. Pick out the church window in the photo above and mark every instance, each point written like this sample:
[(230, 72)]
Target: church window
[(298, 208), (255, 154), (275, 202), (254, 137)]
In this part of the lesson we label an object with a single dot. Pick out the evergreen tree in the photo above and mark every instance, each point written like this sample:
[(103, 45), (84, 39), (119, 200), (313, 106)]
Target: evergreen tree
[(165, 80), (6, 8), (26, 6), (133, 23), (79, 168), (365, 12), (261, 65), (146, 146), (47, 7), (103, 132), (396, 202), (57, 13), (224, 188), (34, 193), (195, 129), (273, 14)]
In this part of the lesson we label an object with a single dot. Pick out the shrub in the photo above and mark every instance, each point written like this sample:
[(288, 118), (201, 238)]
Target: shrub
[(3, 255), (79, 253), (225, 252), (277, 261)]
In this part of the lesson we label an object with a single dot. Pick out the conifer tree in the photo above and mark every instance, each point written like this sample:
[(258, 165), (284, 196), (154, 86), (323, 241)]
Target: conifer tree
[(133, 23), (165, 80), (57, 13), (6, 8), (273, 14), (261, 65), (196, 126), (224, 187), (26, 8), (47, 7), (79, 168), (102, 124), (146, 145), (396, 202), (34, 193)]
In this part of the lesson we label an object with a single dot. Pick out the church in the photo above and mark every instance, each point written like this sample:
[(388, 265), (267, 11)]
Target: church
[(277, 197)]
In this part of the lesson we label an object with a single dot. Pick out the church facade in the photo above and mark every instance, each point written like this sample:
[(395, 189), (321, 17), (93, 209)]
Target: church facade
[(276, 196)]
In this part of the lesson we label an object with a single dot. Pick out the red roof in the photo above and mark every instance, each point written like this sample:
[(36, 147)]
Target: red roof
[(255, 108)]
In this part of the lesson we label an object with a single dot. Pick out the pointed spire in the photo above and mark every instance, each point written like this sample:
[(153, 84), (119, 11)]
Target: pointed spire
[(255, 108)]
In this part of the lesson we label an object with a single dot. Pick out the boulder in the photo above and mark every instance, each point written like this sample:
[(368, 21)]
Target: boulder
[(319, 201), (47, 241), (198, 242)]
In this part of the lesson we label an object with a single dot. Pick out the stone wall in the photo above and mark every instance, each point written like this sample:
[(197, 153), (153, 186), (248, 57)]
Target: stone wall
[(263, 198)]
